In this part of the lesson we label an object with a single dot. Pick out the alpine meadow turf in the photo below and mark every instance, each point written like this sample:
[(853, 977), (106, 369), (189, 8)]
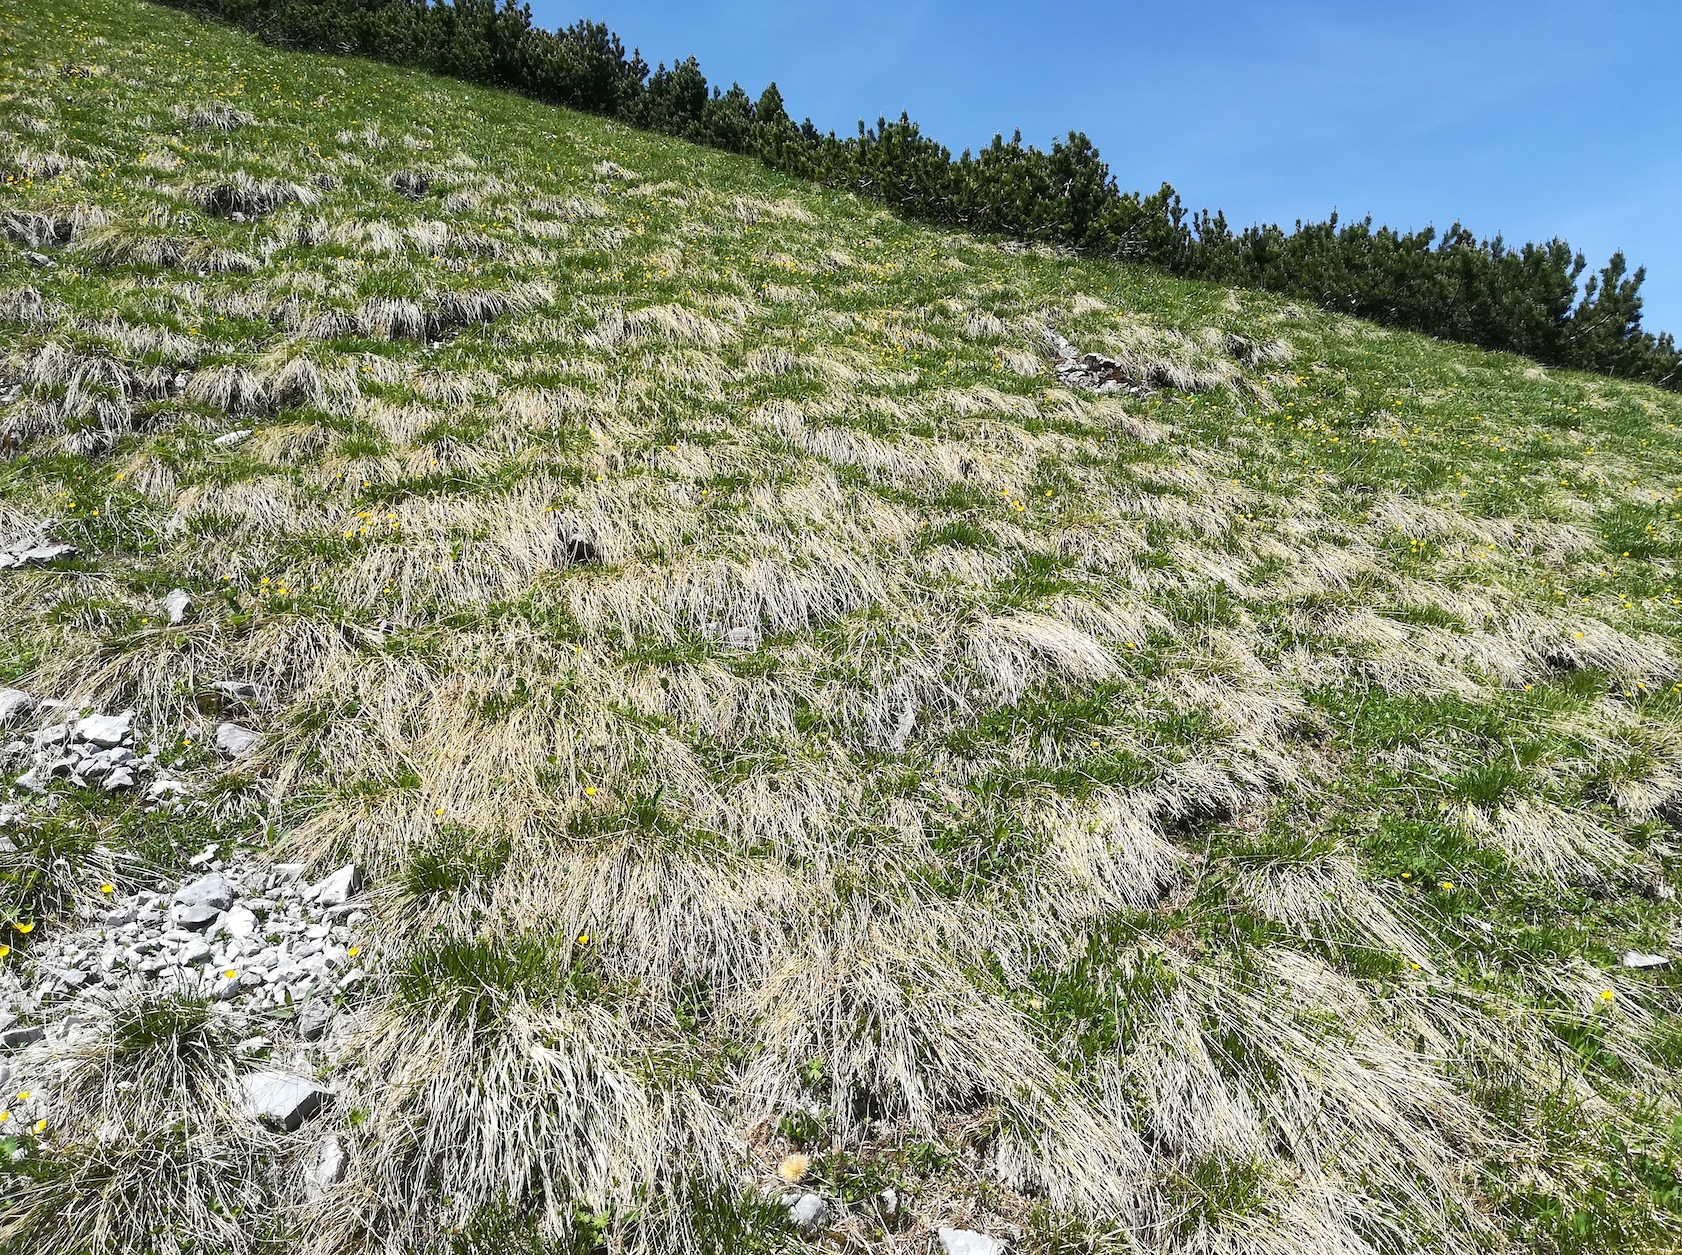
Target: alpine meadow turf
[(776, 717)]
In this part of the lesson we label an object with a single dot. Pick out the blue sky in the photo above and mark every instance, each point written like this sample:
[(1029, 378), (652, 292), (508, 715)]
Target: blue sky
[(1530, 119)]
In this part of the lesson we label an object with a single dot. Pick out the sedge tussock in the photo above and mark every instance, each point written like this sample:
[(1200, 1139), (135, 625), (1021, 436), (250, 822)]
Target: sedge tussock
[(248, 197), (154, 1143), (552, 1087)]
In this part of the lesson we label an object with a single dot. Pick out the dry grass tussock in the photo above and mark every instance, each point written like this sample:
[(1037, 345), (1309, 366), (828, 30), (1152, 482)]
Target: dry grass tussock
[(169, 1155), (773, 712)]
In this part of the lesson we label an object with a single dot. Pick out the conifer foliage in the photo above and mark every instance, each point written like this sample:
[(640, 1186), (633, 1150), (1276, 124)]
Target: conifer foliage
[(1455, 286)]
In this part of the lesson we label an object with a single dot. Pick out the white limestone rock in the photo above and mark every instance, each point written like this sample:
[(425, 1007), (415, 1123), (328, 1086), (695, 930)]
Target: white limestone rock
[(326, 1167), (177, 606), (14, 704), (338, 888), (106, 731), (969, 1242), (233, 741), (1644, 962), (212, 890), (282, 1099), (810, 1215)]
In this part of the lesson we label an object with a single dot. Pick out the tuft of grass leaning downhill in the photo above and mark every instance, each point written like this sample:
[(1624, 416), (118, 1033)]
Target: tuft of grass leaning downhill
[(778, 718)]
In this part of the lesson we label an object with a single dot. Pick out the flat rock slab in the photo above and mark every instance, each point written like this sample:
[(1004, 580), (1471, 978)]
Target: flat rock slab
[(1645, 962), (106, 731), (17, 1038), (212, 890), (195, 918), (38, 556), (282, 1099)]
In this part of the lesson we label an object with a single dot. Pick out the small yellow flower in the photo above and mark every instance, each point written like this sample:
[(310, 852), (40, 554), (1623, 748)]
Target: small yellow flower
[(40, 1126), (108, 888), (437, 810), (25, 929), (1447, 885), (1606, 995), (793, 1167), (4, 951), (230, 973), (354, 951), (583, 939), (590, 790)]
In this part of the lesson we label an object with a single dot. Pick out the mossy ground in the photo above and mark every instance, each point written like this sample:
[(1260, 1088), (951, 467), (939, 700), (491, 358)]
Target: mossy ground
[(1204, 820)]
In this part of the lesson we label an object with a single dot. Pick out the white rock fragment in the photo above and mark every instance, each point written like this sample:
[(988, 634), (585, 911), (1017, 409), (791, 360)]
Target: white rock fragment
[(37, 555), (240, 922), (969, 1242), (212, 890), (326, 1167), (233, 741), (177, 606), (106, 731), (336, 889), (14, 703), (229, 438), (315, 1019), (164, 790), (282, 1099), (1644, 962), (195, 918), (810, 1215)]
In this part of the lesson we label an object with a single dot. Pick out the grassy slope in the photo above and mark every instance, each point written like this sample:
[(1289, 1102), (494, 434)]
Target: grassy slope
[(1206, 822)]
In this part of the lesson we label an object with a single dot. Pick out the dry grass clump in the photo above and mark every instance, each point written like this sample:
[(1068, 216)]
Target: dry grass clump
[(23, 306), (249, 197), (413, 184), (131, 244), (36, 230), (219, 117), (146, 1139)]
